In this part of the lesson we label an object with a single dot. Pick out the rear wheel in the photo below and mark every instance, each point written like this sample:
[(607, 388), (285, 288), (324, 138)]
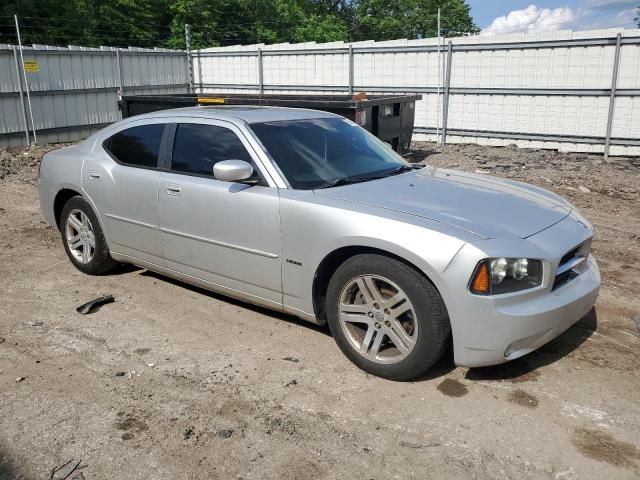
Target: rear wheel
[(83, 239), (386, 317)]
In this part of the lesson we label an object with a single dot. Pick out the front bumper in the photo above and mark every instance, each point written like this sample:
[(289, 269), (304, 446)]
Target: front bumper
[(492, 330), (512, 330)]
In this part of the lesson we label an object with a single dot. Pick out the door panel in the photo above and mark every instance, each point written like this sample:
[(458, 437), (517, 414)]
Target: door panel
[(126, 196), (221, 232)]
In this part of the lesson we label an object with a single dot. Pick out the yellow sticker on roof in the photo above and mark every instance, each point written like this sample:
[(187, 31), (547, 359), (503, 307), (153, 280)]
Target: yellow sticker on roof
[(210, 100)]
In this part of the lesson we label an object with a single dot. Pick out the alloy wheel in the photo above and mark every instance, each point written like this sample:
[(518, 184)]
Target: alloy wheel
[(378, 319), (80, 236)]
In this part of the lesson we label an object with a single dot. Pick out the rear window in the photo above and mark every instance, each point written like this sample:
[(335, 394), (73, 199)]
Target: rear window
[(137, 146)]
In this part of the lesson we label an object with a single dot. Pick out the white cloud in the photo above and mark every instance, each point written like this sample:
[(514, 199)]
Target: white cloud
[(532, 19), (596, 14)]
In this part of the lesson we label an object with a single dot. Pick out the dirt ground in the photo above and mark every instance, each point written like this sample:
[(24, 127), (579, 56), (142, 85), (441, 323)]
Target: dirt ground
[(172, 382)]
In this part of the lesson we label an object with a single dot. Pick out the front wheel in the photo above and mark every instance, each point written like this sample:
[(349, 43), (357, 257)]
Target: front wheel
[(386, 317), (83, 239)]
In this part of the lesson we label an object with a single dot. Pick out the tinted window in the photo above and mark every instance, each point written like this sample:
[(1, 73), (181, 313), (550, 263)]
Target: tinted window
[(197, 148), (313, 152), (137, 146)]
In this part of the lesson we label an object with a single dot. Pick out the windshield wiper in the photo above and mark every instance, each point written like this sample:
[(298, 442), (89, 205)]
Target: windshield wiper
[(365, 178), (341, 181), (402, 169)]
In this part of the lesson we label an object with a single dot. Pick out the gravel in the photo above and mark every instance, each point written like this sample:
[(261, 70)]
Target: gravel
[(215, 403)]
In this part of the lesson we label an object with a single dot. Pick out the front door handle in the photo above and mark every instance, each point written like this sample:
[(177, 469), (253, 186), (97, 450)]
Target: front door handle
[(172, 189)]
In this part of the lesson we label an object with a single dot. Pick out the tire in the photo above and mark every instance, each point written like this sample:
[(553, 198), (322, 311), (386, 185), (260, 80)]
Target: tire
[(79, 228), (366, 324)]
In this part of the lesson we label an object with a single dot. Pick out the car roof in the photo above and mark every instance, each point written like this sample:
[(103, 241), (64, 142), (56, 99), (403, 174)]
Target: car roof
[(245, 113)]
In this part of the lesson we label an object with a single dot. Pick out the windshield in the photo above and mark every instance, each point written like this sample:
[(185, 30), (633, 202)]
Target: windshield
[(325, 152)]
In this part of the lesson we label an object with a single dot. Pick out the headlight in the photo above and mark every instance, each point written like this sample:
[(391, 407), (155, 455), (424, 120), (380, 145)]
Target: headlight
[(494, 276)]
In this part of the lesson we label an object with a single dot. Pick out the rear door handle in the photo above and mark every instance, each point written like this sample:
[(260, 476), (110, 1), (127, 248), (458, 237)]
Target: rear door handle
[(172, 189), (93, 176)]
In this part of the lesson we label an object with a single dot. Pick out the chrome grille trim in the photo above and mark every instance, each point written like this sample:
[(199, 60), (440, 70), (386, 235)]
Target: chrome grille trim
[(571, 264)]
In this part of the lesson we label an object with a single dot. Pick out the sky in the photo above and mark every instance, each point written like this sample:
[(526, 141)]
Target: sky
[(507, 16)]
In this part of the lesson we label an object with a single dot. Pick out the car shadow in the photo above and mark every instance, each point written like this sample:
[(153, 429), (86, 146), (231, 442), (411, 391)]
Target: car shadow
[(521, 369), (124, 268), (441, 368), (8, 468), (525, 368), (285, 317)]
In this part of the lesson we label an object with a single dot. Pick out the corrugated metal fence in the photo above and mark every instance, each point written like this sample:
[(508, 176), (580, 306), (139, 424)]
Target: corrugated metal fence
[(575, 91), (74, 91)]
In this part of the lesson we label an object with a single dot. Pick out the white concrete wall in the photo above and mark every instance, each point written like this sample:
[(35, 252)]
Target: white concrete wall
[(565, 68)]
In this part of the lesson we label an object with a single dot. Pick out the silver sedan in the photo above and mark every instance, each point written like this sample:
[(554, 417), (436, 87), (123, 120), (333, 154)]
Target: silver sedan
[(307, 213)]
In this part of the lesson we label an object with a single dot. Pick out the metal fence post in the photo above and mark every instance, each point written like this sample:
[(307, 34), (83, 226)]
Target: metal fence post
[(440, 69), (350, 69), (120, 78), (24, 111), (445, 101), (26, 82), (612, 96), (260, 72), (187, 41), (119, 70)]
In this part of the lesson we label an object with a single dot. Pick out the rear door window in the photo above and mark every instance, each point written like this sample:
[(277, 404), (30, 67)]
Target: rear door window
[(137, 146), (198, 147)]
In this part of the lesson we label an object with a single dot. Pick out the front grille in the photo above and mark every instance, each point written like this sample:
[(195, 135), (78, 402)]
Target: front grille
[(566, 270), (569, 255), (563, 278)]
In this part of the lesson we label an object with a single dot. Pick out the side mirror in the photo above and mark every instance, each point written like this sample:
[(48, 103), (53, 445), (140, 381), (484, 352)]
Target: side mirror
[(232, 170)]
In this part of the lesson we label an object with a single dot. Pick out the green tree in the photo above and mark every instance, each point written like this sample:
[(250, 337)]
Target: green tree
[(85, 22), (151, 23), (393, 19), (299, 21), (124, 22), (202, 17)]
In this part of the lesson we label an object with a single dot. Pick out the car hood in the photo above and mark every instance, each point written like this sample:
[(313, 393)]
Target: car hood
[(487, 206)]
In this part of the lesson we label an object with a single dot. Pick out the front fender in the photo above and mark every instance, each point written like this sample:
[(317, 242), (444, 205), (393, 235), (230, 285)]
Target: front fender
[(312, 231)]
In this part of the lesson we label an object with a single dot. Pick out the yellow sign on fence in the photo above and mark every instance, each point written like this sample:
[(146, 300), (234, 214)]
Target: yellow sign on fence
[(31, 66)]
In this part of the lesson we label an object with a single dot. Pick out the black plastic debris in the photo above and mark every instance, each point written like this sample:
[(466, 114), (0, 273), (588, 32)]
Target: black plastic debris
[(406, 444), (65, 471), (90, 306)]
